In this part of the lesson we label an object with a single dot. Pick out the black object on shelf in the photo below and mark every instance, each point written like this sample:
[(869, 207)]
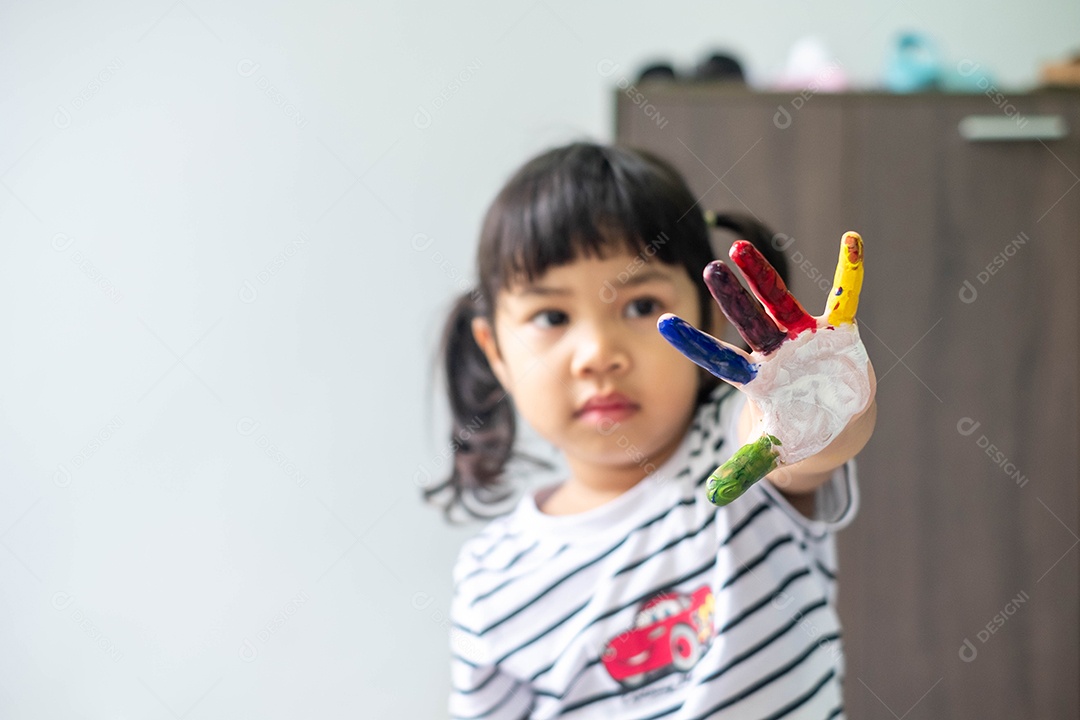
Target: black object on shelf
[(717, 67), (720, 67)]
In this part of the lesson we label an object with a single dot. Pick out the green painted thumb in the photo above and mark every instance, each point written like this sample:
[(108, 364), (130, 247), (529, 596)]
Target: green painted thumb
[(748, 465)]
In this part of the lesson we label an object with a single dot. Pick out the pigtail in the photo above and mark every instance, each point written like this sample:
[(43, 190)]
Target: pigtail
[(482, 426), (747, 228)]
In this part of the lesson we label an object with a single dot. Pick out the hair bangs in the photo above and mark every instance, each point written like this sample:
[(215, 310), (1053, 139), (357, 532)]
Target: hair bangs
[(578, 205)]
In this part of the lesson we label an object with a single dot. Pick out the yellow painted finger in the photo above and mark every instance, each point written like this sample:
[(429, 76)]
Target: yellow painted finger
[(847, 283)]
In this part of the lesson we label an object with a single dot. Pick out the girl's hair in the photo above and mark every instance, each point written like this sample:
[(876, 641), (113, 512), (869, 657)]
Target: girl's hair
[(580, 200)]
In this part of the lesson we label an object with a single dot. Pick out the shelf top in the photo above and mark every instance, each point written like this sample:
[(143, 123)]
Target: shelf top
[(711, 89)]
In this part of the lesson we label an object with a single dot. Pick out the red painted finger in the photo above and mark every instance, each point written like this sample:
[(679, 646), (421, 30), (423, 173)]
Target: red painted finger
[(742, 309), (771, 290)]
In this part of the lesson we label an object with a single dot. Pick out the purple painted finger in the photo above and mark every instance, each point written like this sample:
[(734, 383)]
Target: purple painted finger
[(706, 350), (742, 309)]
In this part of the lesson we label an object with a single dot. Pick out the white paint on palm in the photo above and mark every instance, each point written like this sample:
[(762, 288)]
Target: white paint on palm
[(810, 388)]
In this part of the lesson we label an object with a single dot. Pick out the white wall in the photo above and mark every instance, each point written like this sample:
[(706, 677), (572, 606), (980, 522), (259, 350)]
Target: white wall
[(216, 331)]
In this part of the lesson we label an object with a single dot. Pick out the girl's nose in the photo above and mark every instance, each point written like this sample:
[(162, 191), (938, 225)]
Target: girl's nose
[(599, 352)]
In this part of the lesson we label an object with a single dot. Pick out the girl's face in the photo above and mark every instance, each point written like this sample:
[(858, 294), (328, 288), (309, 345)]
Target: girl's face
[(579, 352)]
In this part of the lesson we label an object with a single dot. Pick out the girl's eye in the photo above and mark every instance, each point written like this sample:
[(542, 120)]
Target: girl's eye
[(550, 318), (643, 307)]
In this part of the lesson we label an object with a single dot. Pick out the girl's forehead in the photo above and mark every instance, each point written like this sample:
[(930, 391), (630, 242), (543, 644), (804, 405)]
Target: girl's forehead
[(615, 268)]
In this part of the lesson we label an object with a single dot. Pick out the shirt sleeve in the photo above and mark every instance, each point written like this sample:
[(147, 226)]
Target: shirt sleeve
[(484, 691), (836, 502), (479, 687)]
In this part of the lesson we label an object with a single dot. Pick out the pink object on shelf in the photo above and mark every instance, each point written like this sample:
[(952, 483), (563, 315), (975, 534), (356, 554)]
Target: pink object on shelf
[(810, 65)]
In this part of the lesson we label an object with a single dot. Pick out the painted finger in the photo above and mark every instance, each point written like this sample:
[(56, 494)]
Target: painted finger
[(770, 289), (721, 360), (847, 283), (742, 309), (749, 464)]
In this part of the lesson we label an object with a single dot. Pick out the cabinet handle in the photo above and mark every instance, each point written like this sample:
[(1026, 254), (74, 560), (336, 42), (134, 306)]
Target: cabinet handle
[(998, 128)]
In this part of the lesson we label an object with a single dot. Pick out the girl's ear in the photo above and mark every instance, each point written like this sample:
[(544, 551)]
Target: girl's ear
[(485, 339)]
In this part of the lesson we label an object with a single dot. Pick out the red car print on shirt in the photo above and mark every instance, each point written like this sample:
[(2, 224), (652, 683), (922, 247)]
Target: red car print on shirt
[(671, 632)]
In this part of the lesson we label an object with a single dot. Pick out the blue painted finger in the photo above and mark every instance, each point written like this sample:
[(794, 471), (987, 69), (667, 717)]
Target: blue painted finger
[(706, 350)]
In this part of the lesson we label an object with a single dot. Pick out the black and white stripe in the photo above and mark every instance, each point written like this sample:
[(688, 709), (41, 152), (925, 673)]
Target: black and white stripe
[(534, 609)]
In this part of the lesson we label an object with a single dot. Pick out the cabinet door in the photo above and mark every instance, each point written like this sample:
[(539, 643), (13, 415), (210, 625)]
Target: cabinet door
[(960, 576)]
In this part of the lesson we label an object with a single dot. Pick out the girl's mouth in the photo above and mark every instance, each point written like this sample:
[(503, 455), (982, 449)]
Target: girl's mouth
[(613, 407)]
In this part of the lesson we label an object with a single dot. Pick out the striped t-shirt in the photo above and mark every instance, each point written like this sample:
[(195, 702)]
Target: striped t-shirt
[(657, 604)]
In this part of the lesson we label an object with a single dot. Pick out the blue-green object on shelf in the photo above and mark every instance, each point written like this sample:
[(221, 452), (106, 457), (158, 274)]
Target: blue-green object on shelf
[(914, 64)]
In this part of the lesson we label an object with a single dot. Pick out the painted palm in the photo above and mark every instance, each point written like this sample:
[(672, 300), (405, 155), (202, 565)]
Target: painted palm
[(807, 376)]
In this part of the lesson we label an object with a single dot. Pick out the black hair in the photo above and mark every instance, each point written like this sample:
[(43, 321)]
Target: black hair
[(580, 200)]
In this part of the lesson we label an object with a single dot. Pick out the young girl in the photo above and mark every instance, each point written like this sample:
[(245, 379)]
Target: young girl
[(623, 592)]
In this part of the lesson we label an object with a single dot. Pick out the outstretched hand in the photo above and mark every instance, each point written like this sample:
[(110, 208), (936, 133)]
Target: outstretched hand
[(807, 376)]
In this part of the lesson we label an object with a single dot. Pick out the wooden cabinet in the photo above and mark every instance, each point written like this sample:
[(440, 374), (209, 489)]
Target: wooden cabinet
[(960, 578)]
